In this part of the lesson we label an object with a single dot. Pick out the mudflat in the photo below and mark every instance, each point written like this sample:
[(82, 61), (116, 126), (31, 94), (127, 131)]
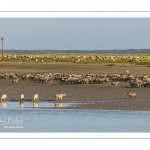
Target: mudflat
[(92, 96), (66, 67)]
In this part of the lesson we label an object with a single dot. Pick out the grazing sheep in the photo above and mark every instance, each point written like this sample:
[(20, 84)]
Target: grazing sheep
[(3, 97), (132, 95), (36, 97), (127, 72), (15, 80), (59, 96), (114, 83), (134, 84), (21, 97)]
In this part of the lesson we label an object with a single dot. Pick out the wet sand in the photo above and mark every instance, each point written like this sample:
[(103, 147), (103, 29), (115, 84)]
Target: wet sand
[(101, 96), (35, 67)]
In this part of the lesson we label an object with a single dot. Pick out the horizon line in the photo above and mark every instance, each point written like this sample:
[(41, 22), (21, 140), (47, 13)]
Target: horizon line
[(80, 49)]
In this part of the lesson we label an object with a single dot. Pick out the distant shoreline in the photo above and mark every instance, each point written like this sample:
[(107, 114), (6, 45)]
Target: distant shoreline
[(114, 51)]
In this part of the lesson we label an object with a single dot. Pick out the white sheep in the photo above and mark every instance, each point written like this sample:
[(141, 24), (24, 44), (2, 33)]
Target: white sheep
[(59, 96), (36, 97), (15, 80), (3, 97), (127, 72), (114, 83), (132, 95), (22, 97)]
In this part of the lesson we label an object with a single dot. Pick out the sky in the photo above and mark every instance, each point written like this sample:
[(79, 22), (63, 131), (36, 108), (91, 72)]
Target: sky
[(75, 33)]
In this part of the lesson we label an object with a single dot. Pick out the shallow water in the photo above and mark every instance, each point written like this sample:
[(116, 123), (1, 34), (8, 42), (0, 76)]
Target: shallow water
[(47, 118), (119, 51)]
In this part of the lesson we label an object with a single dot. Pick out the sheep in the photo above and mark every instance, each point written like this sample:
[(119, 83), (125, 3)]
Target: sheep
[(21, 97), (132, 95), (15, 80), (59, 96), (114, 83), (127, 72), (44, 80), (134, 84), (36, 97), (3, 97)]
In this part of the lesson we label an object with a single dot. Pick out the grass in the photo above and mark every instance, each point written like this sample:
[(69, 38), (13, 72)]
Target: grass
[(110, 65), (79, 58), (143, 63)]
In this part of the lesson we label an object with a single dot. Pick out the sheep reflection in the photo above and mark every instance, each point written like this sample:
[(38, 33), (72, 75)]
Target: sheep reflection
[(58, 105), (35, 104), (21, 103), (3, 103)]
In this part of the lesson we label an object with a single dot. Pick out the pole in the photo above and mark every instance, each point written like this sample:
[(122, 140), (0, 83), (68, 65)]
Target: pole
[(2, 53)]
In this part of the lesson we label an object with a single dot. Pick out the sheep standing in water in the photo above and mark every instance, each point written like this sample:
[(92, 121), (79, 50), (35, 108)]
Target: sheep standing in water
[(22, 100), (3, 97), (21, 97), (59, 96), (36, 97), (132, 95)]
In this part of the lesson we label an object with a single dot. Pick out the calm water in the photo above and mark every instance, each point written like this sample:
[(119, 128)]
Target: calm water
[(13, 118), (121, 51)]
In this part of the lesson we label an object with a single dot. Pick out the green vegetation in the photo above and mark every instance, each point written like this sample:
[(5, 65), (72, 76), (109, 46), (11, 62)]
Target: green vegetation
[(143, 63), (110, 59), (110, 65)]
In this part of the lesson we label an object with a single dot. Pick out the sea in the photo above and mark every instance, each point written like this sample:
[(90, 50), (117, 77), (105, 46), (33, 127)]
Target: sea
[(114, 51), (45, 117)]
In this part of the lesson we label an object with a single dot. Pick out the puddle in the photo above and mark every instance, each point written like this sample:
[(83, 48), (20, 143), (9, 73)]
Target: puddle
[(44, 104), (51, 104)]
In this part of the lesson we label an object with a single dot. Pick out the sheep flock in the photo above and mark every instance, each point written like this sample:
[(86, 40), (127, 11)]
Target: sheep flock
[(134, 81), (76, 58)]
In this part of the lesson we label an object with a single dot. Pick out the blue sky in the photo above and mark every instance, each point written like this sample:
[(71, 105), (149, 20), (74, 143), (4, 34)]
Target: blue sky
[(75, 33)]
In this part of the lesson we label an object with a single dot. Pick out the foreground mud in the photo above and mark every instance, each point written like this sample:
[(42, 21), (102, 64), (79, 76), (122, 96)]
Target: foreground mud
[(92, 96)]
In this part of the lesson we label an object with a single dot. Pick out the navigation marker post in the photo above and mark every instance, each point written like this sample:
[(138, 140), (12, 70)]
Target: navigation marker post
[(2, 59)]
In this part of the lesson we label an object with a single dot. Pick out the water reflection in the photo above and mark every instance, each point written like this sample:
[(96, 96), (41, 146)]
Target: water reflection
[(72, 120), (3, 103), (35, 104), (58, 105), (21, 103)]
